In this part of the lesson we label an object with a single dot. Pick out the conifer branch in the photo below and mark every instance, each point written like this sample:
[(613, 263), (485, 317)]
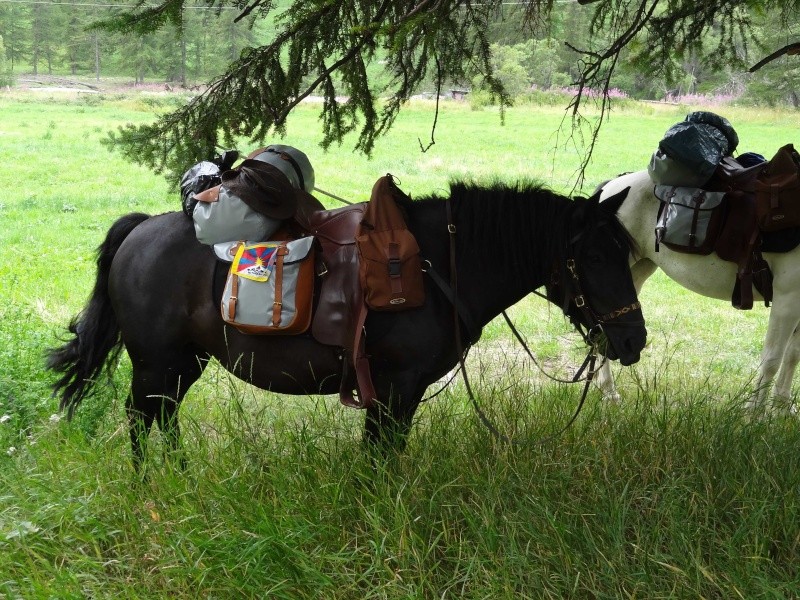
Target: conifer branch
[(326, 47)]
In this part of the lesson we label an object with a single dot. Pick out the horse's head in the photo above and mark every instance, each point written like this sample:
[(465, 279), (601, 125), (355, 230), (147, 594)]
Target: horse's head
[(593, 282)]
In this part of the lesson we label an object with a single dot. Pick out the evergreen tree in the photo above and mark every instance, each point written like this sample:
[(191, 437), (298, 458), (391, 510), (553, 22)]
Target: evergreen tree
[(78, 46), (778, 81), (329, 48), (15, 28), (5, 74), (43, 44)]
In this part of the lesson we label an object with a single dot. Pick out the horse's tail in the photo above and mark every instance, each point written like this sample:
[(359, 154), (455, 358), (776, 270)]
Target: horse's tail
[(95, 340)]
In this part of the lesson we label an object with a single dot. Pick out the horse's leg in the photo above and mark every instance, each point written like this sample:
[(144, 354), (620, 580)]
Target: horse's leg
[(156, 393), (604, 378), (783, 381), (140, 420), (388, 421), (782, 324)]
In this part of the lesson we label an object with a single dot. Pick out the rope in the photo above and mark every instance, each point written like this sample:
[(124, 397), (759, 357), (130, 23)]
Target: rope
[(575, 379), (334, 196)]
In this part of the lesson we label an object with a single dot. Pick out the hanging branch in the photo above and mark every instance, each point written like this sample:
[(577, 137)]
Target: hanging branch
[(597, 71), (791, 50), (325, 47), (436, 112), (250, 8)]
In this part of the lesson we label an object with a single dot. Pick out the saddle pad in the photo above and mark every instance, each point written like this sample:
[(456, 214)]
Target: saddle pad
[(781, 241)]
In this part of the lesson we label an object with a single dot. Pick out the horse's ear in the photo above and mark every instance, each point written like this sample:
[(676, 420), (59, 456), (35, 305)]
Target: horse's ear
[(612, 204)]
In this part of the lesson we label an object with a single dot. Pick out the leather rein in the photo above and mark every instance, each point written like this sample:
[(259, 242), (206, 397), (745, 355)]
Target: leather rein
[(573, 292)]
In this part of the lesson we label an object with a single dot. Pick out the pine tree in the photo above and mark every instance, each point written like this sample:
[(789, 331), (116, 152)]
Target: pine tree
[(5, 74), (327, 48), (15, 27)]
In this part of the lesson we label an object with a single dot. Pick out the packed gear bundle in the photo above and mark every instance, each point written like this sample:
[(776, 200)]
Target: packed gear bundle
[(713, 202), (296, 268), (690, 151)]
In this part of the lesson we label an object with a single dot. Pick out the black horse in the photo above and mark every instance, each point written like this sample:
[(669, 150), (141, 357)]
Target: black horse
[(153, 295)]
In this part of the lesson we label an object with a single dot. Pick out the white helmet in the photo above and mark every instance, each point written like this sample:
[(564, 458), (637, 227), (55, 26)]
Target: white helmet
[(292, 162)]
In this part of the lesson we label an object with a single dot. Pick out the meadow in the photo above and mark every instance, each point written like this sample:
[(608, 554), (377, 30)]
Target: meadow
[(673, 493)]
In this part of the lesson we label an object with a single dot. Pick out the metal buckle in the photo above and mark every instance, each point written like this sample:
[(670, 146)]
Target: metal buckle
[(580, 301), (595, 332)]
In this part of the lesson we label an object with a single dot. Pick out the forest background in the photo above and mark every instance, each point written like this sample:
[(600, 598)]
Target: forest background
[(56, 38)]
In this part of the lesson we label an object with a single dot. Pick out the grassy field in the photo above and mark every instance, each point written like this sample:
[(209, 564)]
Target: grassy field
[(672, 494)]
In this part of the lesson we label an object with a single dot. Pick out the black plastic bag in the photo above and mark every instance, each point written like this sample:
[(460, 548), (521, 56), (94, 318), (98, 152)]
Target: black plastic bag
[(700, 142), (202, 176)]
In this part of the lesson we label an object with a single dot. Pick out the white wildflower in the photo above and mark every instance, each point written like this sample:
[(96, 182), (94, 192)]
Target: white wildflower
[(5, 418), (11, 450), (55, 418)]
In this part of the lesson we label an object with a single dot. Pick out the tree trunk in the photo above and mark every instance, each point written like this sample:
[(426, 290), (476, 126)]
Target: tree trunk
[(182, 74), (96, 57)]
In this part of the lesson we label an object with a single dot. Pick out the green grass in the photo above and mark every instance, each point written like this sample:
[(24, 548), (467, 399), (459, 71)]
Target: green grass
[(673, 494)]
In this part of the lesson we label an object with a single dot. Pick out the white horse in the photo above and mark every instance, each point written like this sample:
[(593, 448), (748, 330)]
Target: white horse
[(713, 277)]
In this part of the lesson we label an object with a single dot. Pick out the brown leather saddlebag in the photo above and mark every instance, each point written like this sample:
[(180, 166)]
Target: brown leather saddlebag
[(778, 191), (390, 267)]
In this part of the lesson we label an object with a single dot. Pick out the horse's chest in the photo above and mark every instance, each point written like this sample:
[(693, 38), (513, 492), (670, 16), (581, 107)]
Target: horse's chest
[(408, 340)]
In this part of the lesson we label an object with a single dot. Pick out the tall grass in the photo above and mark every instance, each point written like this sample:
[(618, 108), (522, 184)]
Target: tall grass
[(653, 499), (675, 493)]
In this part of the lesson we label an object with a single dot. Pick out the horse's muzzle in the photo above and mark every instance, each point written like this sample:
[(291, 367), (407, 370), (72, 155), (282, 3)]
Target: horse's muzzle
[(624, 343)]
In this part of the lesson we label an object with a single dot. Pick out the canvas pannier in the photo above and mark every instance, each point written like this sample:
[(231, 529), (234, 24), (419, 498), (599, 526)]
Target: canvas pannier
[(270, 287), (390, 267), (778, 191), (690, 219), (252, 199), (690, 151)]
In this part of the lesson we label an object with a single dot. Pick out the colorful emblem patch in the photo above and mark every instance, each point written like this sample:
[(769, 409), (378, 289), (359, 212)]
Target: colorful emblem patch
[(255, 262)]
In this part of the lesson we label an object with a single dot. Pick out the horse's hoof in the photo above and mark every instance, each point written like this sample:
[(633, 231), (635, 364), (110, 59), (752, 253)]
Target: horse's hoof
[(783, 405)]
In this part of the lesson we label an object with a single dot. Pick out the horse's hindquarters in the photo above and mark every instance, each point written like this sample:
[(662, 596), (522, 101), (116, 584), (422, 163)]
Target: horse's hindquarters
[(161, 291)]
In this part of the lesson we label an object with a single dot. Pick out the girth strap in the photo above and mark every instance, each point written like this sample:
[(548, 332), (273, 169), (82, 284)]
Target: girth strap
[(473, 331)]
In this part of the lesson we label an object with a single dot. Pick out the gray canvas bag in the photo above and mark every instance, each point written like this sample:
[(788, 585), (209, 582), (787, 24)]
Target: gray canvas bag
[(689, 219), (270, 286), (221, 216)]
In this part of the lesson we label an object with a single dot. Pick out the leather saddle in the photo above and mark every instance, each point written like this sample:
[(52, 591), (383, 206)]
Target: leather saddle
[(740, 240), (340, 309), (340, 312)]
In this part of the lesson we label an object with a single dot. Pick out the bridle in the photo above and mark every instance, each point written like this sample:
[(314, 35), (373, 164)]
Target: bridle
[(572, 293)]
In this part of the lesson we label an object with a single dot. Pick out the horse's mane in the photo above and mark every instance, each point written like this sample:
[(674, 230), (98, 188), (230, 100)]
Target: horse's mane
[(523, 214), (499, 218)]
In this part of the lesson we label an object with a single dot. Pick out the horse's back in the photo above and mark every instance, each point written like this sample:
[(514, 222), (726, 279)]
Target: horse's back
[(161, 286)]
